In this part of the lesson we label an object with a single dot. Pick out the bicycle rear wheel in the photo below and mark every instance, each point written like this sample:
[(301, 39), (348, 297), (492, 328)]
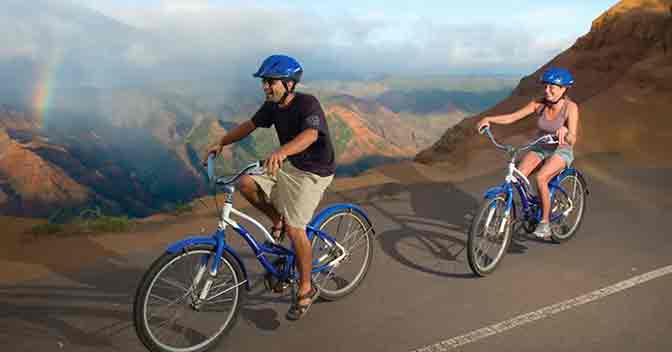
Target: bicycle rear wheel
[(355, 235), (489, 236), (168, 312), (568, 206)]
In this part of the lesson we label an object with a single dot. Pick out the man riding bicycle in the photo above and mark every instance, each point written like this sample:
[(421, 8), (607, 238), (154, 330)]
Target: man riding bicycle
[(290, 191)]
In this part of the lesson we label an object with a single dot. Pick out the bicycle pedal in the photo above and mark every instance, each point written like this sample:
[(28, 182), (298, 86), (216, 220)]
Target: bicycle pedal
[(280, 287), (271, 284), (268, 284)]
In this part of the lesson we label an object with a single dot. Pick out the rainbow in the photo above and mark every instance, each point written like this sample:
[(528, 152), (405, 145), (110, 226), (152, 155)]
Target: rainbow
[(44, 83)]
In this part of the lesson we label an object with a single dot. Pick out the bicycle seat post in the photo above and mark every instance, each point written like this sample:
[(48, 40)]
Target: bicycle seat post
[(228, 190)]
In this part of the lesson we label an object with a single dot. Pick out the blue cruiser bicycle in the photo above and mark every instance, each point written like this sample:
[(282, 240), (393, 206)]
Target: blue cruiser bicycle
[(190, 297), (490, 232)]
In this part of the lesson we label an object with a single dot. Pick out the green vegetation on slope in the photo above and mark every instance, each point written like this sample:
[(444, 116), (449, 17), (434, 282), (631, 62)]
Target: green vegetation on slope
[(341, 133)]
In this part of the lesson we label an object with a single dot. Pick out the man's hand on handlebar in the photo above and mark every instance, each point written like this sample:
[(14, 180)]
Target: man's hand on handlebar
[(274, 162), (215, 150)]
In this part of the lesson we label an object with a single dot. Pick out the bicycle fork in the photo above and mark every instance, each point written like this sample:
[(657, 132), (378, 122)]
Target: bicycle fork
[(198, 297), (208, 286), (226, 212), (199, 276), (210, 274), (504, 222)]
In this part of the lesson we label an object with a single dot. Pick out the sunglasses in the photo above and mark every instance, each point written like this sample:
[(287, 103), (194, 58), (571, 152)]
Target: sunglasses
[(269, 81)]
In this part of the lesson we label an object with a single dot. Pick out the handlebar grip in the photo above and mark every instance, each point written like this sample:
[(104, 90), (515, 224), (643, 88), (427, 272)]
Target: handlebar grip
[(551, 139), (211, 166)]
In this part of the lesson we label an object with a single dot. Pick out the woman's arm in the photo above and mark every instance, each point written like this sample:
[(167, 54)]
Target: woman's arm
[(572, 124), (508, 118)]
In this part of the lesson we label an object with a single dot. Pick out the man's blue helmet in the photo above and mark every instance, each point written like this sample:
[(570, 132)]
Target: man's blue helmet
[(280, 67), (558, 76)]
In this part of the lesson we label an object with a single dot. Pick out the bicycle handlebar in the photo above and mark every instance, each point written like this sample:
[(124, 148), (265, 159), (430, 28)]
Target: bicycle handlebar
[(253, 168), (487, 132), (545, 139)]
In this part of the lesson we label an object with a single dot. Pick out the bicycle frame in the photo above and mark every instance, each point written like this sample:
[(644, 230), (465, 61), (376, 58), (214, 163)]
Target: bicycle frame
[(516, 180), (270, 246), (218, 241), (185, 278), (531, 204)]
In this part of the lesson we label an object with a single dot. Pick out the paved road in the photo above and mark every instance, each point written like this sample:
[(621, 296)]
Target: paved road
[(419, 291)]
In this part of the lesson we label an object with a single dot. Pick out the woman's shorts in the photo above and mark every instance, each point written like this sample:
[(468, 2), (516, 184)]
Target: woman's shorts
[(566, 153)]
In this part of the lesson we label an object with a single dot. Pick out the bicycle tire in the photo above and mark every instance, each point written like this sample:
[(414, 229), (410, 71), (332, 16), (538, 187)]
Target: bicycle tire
[(149, 282), (474, 246), (321, 279), (571, 193)]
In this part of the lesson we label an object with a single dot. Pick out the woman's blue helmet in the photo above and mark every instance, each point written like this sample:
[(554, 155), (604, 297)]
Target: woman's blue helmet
[(281, 67), (558, 76)]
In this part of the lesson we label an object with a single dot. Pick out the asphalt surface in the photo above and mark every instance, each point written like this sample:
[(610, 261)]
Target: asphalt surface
[(419, 290)]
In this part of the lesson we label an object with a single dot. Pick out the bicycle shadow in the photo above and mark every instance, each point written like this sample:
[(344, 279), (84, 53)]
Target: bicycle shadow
[(425, 223), (91, 308), (259, 308), (88, 309)]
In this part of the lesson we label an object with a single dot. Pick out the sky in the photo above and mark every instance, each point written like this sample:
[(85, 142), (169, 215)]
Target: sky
[(50, 44), (52, 48), (380, 36)]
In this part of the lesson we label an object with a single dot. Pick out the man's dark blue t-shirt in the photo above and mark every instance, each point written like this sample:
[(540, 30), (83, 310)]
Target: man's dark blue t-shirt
[(304, 112)]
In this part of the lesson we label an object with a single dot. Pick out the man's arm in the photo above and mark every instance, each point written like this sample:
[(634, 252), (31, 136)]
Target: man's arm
[(295, 146), (299, 143), (237, 133)]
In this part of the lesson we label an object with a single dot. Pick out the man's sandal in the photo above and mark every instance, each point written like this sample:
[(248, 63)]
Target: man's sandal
[(297, 310), (278, 233)]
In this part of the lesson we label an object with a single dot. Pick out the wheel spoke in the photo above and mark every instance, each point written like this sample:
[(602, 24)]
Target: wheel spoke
[(570, 197), (175, 284), (357, 241), (351, 233), (486, 244), (181, 321), (218, 301), (170, 304)]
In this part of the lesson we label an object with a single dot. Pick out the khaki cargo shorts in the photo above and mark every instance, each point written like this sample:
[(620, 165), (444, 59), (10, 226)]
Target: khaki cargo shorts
[(294, 193)]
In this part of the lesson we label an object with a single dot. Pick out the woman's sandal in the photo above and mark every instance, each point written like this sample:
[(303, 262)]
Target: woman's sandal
[(298, 310)]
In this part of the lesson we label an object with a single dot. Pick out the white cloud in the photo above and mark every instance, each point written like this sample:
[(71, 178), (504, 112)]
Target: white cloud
[(197, 35), (138, 54), (184, 6)]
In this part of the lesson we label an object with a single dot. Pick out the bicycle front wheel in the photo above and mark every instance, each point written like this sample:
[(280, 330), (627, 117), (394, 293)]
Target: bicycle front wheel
[(172, 310), (355, 235), (489, 236), (568, 206)]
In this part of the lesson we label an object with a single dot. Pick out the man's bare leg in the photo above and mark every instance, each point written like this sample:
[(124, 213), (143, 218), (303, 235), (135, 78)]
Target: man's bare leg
[(304, 260), (251, 191)]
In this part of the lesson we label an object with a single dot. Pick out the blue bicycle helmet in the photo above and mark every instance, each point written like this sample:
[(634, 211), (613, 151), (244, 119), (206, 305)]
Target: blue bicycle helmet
[(558, 76), (280, 67)]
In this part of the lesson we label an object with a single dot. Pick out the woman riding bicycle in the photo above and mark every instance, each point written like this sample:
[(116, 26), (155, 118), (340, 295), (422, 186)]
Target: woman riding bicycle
[(556, 114)]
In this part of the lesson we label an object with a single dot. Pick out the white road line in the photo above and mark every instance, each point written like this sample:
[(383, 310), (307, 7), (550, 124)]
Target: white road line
[(545, 312)]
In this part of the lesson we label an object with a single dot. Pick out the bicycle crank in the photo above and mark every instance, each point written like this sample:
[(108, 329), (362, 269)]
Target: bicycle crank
[(272, 283)]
